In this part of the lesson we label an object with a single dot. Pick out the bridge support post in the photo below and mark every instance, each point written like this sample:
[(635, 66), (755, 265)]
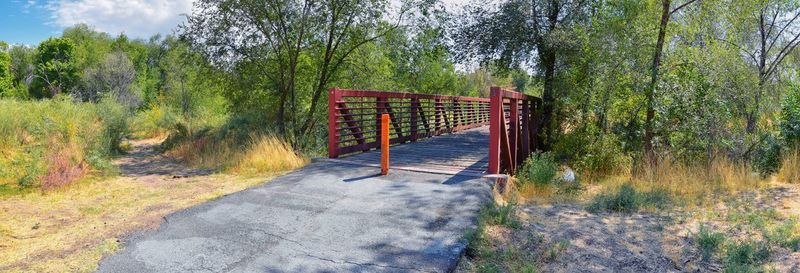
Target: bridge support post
[(333, 137), (495, 118)]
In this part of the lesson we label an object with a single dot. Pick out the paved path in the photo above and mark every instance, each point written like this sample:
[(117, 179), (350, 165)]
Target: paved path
[(326, 217)]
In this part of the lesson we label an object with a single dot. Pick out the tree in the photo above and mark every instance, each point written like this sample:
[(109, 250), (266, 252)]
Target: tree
[(115, 76), (55, 70), (666, 13), (523, 32), (6, 76), (282, 39), (765, 32)]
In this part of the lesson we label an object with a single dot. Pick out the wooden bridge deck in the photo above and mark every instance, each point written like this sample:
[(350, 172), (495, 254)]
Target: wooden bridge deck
[(461, 153)]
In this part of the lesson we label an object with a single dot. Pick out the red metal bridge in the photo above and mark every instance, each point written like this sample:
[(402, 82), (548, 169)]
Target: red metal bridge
[(440, 134)]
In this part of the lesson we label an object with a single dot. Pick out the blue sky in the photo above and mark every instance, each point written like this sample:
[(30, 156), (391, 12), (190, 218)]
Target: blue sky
[(31, 21), (25, 22)]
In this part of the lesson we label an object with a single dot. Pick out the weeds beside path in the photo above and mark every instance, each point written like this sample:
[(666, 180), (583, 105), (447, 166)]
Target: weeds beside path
[(70, 229)]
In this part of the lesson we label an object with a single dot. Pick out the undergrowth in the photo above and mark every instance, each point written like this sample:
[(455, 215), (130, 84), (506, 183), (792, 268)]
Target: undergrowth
[(51, 143)]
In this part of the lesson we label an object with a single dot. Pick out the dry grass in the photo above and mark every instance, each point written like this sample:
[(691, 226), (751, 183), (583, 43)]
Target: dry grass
[(693, 184), (268, 154), (70, 229), (261, 154), (689, 184), (790, 167)]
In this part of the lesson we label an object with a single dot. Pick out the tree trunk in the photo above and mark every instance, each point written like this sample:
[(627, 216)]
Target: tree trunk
[(548, 59), (651, 88)]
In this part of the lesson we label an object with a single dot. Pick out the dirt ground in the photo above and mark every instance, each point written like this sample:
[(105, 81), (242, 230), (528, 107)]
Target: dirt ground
[(567, 238), (70, 229)]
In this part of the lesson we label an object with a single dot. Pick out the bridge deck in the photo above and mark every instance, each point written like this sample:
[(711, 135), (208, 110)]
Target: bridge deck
[(461, 153)]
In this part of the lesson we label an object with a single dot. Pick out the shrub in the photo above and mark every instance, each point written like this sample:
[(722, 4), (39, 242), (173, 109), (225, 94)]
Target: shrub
[(155, 121), (540, 169), (767, 157), (790, 116), (593, 153), (708, 242), (603, 157), (627, 199)]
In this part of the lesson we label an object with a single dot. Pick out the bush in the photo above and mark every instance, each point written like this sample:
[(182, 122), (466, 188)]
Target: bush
[(627, 199), (790, 116), (708, 242), (593, 153), (767, 157), (155, 121), (540, 169)]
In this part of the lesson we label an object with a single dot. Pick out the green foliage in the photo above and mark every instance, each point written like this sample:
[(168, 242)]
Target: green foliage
[(6, 77), (768, 155), (540, 169), (790, 116), (55, 68), (627, 199), (708, 242), (593, 154), (115, 118)]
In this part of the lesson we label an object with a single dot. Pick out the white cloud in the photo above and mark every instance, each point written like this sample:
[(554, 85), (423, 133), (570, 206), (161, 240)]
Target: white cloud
[(135, 18)]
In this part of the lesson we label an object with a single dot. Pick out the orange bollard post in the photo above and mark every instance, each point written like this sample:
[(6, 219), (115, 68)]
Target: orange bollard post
[(384, 144)]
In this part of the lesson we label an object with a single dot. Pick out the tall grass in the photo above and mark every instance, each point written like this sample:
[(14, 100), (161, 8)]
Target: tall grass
[(790, 167), (259, 154), (51, 143), (697, 183)]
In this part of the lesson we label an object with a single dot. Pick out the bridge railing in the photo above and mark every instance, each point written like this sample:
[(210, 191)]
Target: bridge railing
[(513, 129), (354, 117)]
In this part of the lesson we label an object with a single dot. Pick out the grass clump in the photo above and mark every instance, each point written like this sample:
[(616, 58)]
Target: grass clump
[(488, 254), (496, 214), (709, 242), (627, 199)]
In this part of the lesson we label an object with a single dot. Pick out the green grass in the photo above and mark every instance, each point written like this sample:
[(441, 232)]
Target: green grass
[(746, 256), (495, 214)]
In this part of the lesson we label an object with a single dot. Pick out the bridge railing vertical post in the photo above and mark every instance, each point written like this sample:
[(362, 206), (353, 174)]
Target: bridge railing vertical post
[(525, 132), (333, 137), (495, 118), (413, 115), (513, 134)]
